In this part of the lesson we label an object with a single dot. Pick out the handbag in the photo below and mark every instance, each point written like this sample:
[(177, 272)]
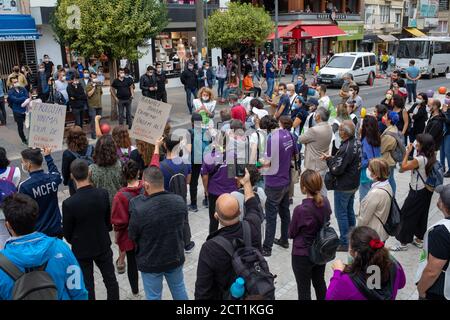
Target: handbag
[(330, 181)]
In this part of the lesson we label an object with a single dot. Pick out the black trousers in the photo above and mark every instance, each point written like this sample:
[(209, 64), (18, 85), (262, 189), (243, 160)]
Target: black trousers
[(105, 263), (186, 230), (2, 110), (193, 186), (161, 96), (19, 118), (78, 115), (414, 215), (132, 271), (213, 223), (305, 272)]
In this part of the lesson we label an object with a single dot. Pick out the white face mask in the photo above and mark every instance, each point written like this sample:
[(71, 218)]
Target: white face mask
[(419, 101), (280, 92), (369, 175), (24, 168), (16, 85)]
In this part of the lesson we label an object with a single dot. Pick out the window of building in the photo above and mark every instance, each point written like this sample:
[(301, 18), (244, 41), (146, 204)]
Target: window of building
[(398, 20), (369, 14), (444, 5), (384, 14)]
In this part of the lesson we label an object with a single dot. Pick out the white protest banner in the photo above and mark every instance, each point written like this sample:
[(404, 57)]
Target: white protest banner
[(150, 120), (47, 126)]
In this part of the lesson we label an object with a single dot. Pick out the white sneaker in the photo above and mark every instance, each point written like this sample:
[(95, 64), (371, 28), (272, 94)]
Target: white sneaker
[(399, 247), (418, 244)]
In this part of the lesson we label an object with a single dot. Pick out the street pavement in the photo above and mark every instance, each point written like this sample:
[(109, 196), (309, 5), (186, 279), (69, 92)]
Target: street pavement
[(280, 261)]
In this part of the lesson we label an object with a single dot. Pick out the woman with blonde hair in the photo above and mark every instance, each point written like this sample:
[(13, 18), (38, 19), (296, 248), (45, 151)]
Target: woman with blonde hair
[(307, 220), (205, 105), (376, 205), (122, 139), (142, 155)]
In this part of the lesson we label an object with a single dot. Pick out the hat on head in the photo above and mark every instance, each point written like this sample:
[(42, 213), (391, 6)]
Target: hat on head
[(444, 192), (312, 102)]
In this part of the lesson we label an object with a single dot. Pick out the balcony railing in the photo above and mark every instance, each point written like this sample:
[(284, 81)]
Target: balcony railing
[(319, 16)]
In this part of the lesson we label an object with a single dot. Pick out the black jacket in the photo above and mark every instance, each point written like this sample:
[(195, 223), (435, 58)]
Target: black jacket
[(189, 79), (302, 90), (156, 226), (161, 82), (296, 63), (215, 273), (87, 222), (145, 82), (435, 127), (209, 78), (346, 165), (67, 158), (420, 118), (77, 96)]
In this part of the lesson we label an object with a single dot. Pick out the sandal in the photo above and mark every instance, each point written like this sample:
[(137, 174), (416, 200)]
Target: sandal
[(120, 268)]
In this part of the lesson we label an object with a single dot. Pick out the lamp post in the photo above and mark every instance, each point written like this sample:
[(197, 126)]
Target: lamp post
[(275, 42), (200, 32)]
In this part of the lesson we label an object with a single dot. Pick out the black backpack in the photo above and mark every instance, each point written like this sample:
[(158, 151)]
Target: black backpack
[(392, 225), (324, 246), (177, 183), (33, 284), (87, 157), (249, 263)]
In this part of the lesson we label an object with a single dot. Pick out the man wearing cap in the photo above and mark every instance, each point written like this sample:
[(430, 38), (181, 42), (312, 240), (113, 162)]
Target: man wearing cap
[(433, 274)]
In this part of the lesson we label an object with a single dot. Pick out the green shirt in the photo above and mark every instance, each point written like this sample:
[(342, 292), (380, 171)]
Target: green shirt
[(94, 101)]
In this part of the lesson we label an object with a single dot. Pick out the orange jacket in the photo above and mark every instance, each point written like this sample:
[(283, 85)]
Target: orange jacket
[(247, 83)]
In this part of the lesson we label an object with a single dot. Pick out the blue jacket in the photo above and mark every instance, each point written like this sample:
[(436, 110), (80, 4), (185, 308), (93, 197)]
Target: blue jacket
[(2, 92), (33, 250), (368, 153), (15, 99), (43, 187)]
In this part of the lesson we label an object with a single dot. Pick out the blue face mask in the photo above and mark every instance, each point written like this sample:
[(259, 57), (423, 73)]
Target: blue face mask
[(300, 82)]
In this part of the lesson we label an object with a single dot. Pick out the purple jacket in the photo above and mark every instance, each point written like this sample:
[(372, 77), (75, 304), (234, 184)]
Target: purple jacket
[(342, 288), (307, 221), (219, 183)]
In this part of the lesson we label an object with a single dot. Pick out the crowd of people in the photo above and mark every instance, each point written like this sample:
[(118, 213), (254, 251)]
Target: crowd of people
[(249, 163)]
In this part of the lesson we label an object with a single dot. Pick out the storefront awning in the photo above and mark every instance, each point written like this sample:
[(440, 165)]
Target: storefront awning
[(283, 31), (387, 37), (327, 31), (17, 27), (415, 32)]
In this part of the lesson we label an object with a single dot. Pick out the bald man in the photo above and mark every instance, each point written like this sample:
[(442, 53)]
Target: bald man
[(215, 272)]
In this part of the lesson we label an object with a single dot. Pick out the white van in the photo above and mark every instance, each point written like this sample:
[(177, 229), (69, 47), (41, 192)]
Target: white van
[(362, 65)]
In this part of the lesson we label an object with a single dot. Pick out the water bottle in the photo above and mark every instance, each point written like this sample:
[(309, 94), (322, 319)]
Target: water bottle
[(237, 289)]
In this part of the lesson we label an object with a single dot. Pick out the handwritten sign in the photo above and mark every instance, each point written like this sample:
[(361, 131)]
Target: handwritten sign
[(47, 126), (150, 120)]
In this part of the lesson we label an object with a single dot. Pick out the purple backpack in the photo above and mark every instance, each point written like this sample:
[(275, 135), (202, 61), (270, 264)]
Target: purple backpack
[(7, 186)]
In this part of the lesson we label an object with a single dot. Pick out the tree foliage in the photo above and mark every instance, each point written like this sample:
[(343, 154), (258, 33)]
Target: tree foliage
[(114, 27), (241, 24)]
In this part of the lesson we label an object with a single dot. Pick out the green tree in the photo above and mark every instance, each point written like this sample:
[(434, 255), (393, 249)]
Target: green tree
[(241, 25), (115, 28)]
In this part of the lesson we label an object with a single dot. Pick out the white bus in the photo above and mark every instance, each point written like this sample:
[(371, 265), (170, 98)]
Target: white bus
[(431, 54)]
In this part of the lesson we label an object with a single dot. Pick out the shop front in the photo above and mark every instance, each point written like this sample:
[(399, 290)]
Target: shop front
[(303, 38), (350, 42), (17, 42)]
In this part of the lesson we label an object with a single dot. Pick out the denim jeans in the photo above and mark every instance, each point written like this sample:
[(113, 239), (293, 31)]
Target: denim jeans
[(294, 73), (153, 284), (392, 179), (277, 203), (364, 189), (92, 113), (125, 105), (270, 85), (345, 214), (412, 92), (190, 96), (445, 151), (221, 84)]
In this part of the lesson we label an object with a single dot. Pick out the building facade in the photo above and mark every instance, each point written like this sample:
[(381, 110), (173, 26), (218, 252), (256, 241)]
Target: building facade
[(18, 36), (383, 23), (443, 28), (319, 27)]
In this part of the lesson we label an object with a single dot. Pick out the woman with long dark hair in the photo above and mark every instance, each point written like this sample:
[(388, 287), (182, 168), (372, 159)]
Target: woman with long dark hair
[(307, 220), (419, 116), (122, 139), (370, 146), (351, 281), (120, 219), (403, 123), (414, 217), (77, 147)]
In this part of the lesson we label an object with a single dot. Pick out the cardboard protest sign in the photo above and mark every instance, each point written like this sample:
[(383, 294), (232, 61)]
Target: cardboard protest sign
[(47, 126), (150, 120)]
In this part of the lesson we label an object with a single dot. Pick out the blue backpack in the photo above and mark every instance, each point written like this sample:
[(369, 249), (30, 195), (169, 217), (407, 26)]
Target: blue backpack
[(7, 186), (435, 178)]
